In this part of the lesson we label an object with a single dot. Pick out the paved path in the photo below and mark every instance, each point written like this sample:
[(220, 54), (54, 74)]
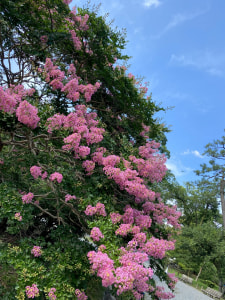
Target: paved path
[(184, 292)]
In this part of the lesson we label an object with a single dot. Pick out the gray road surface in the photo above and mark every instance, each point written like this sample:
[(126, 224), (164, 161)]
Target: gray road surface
[(184, 292)]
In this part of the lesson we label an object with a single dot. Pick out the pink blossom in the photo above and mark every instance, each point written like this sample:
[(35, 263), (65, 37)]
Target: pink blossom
[(89, 166), (72, 141), (32, 291), (90, 210), (80, 295), (35, 171), (123, 230), (157, 248), (44, 175), (56, 176), (72, 89), (27, 198), (107, 277), (27, 114), (96, 234), (67, 1), (7, 102), (51, 294), (143, 221), (101, 209), (76, 40), (161, 294), (173, 280), (18, 217), (36, 251), (101, 248), (69, 197), (111, 160), (83, 151), (115, 217)]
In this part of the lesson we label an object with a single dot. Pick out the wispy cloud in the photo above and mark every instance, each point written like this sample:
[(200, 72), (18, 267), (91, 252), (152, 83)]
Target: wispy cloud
[(212, 63), (177, 168), (194, 152), (150, 3), (180, 18)]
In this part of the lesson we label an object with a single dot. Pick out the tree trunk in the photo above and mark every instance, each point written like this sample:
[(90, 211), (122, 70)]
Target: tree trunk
[(222, 185), (199, 273)]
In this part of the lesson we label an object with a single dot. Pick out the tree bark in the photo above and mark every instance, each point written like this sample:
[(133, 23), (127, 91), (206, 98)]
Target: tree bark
[(199, 273)]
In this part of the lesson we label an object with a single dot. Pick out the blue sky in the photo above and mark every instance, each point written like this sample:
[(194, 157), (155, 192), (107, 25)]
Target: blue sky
[(179, 47)]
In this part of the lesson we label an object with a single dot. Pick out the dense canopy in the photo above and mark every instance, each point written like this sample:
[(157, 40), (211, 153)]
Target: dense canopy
[(81, 154)]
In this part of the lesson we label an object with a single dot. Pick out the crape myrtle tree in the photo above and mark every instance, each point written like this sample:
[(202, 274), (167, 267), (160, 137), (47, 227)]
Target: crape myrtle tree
[(80, 154)]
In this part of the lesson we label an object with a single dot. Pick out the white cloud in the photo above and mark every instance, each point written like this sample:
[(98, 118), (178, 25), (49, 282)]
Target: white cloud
[(149, 3), (177, 168), (179, 19), (174, 169), (212, 63), (194, 152)]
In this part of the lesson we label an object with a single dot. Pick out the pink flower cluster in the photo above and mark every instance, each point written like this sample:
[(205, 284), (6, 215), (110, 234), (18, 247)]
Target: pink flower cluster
[(73, 90), (132, 275), (148, 149), (157, 248), (80, 295), (32, 291), (27, 198), (27, 114), (67, 1), (96, 234), (161, 294), (36, 251), (81, 20), (37, 172), (69, 197), (115, 217), (53, 75), (18, 217), (7, 101), (103, 265), (145, 131), (99, 209), (51, 294), (12, 96), (173, 280), (123, 229), (153, 168), (162, 212), (76, 40), (56, 78), (84, 128), (56, 176), (89, 166)]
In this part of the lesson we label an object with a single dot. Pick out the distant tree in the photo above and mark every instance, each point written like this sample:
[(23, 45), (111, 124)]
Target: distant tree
[(197, 246), (198, 202), (215, 170)]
